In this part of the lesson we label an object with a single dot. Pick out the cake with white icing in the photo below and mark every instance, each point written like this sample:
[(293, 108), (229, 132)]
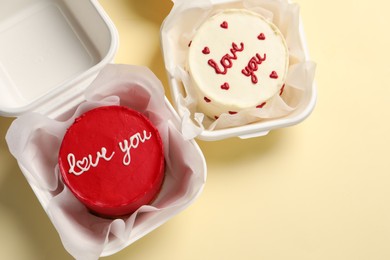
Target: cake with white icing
[(237, 60)]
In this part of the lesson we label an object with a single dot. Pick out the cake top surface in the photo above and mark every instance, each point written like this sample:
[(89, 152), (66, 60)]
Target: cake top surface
[(111, 157), (238, 58)]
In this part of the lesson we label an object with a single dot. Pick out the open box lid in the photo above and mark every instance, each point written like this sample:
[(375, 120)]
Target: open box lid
[(49, 53)]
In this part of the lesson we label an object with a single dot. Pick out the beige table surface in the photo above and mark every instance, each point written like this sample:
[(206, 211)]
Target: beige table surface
[(318, 190)]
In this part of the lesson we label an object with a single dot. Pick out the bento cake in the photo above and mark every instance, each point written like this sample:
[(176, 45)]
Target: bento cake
[(112, 160), (237, 60)]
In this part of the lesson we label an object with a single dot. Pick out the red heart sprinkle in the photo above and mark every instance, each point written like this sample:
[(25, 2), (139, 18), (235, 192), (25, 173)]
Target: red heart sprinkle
[(261, 105), (261, 36), (274, 75), (224, 25), (206, 50), (225, 86), (232, 112), (207, 100)]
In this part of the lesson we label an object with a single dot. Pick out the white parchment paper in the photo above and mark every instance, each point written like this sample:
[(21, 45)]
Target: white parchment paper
[(34, 140), (180, 27)]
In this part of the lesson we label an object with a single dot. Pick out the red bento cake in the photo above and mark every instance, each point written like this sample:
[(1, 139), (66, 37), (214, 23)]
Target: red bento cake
[(112, 159)]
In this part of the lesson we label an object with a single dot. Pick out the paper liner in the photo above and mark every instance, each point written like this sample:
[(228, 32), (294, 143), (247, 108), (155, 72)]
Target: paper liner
[(34, 140), (178, 30)]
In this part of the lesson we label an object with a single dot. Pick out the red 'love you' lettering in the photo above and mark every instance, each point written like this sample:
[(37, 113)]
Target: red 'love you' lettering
[(226, 61), (253, 65)]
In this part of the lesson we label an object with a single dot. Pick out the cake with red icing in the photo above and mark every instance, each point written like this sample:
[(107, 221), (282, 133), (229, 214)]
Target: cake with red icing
[(112, 160), (237, 60)]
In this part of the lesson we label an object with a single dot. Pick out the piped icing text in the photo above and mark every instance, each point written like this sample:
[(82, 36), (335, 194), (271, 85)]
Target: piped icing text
[(80, 166), (226, 60), (252, 66)]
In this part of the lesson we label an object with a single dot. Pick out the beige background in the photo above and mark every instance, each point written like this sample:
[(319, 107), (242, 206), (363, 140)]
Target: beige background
[(318, 190)]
